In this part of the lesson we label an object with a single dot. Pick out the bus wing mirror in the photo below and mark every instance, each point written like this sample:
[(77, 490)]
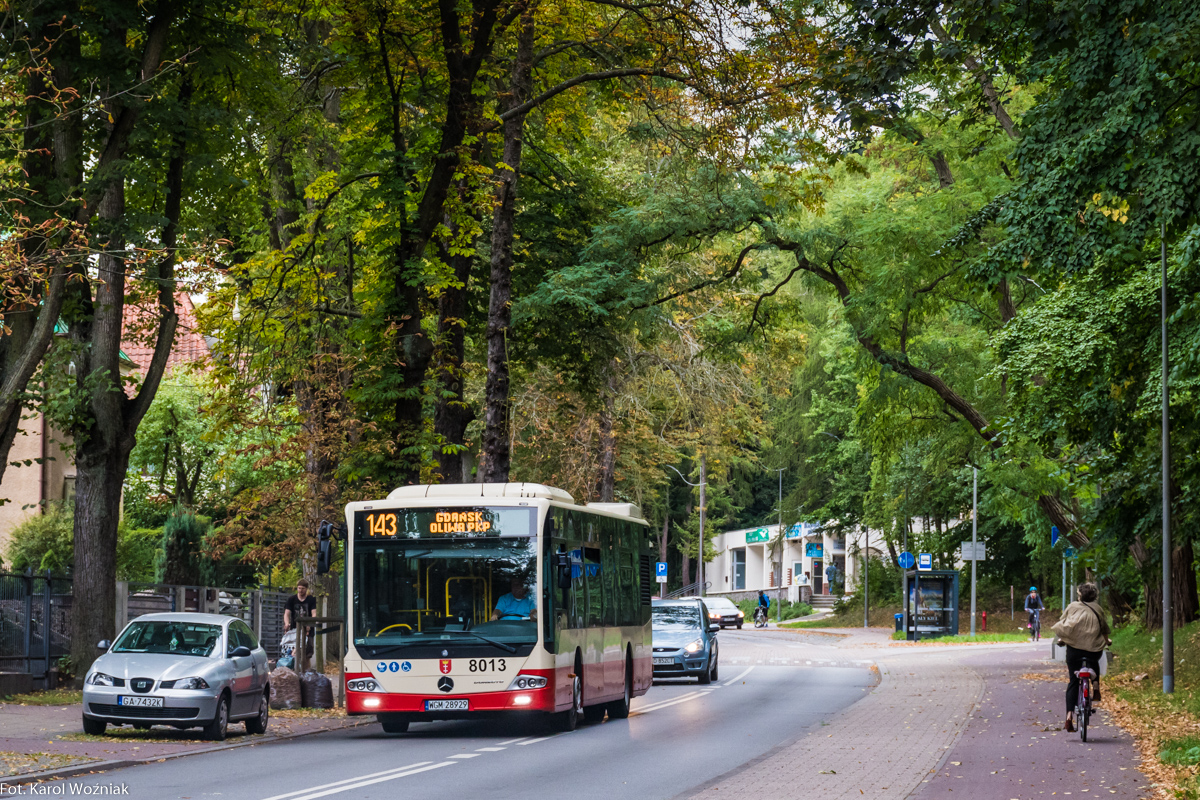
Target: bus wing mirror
[(325, 535)]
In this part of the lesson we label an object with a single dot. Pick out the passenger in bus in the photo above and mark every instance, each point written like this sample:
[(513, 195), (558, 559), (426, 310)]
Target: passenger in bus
[(517, 604)]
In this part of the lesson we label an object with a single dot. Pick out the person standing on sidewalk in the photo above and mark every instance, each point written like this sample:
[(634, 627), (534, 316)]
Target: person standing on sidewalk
[(1084, 630), (301, 604)]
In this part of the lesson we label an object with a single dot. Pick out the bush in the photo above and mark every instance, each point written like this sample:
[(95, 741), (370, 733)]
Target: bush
[(182, 558), (47, 541)]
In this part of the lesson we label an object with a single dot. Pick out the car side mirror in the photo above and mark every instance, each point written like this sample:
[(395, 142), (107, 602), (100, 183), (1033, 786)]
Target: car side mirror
[(714, 628), (103, 644), (240, 652)]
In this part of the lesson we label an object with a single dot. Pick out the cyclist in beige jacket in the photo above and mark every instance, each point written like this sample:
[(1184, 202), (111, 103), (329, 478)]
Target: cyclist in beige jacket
[(1084, 630)]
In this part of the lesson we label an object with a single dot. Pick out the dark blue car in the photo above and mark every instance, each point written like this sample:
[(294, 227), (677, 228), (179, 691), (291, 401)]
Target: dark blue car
[(685, 643)]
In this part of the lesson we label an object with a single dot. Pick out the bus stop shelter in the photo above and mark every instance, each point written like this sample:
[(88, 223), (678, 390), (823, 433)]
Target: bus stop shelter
[(931, 603)]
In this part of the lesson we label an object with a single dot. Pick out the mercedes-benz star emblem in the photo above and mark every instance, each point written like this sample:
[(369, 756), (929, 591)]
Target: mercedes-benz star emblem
[(446, 684)]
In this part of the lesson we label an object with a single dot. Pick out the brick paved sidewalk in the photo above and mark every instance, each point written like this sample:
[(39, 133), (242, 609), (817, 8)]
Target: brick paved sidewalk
[(35, 739), (928, 730)]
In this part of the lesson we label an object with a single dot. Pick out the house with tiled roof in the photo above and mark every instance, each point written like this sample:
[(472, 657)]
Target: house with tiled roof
[(49, 474)]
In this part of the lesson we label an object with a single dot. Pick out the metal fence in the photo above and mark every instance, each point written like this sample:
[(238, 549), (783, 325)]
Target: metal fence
[(261, 609), (35, 627)]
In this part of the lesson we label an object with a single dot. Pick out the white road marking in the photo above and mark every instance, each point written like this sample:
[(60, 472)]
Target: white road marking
[(489, 750), (739, 677), (534, 741), (465, 755), (514, 741), (361, 780), (655, 705), (677, 701)]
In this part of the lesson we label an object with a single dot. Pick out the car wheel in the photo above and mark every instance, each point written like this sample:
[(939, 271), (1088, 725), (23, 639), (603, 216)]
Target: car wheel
[(94, 727), (713, 675), (217, 729), (569, 720), (739, 626), (258, 723), (392, 724)]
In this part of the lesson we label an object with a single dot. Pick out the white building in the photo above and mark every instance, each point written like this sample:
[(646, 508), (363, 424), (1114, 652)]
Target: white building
[(755, 558)]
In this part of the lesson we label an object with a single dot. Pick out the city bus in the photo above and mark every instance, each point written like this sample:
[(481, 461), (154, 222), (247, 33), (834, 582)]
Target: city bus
[(471, 600)]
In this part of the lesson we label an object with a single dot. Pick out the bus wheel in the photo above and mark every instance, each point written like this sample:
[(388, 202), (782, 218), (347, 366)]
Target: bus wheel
[(569, 720), (619, 709), (594, 714), (393, 724)]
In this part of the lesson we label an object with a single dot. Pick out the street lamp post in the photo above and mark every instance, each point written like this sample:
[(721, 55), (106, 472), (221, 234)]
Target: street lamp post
[(1168, 660), (779, 587), (700, 553), (974, 538)]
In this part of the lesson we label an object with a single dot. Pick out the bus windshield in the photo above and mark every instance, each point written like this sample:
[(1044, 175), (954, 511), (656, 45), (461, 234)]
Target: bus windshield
[(436, 591)]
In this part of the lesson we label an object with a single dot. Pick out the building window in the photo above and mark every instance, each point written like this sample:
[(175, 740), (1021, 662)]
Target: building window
[(739, 568), (69, 489)]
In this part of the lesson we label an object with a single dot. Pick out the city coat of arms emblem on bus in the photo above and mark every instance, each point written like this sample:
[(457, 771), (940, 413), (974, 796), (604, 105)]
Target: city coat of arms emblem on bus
[(444, 664)]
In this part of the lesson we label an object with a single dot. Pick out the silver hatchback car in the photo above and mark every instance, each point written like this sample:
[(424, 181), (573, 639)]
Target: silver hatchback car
[(182, 670)]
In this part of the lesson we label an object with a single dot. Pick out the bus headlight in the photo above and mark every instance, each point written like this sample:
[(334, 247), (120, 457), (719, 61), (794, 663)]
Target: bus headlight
[(528, 682), (364, 685)]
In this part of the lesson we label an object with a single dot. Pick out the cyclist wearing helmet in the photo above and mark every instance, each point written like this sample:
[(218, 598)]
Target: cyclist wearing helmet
[(1033, 606)]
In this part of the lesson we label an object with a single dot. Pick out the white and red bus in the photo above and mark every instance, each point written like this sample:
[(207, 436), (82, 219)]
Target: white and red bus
[(426, 569)]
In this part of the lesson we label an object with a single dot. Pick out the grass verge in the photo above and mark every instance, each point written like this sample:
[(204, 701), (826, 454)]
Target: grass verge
[(54, 697), (20, 763), (1159, 722)]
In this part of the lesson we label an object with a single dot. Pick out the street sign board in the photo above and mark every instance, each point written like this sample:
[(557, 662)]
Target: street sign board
[(925, 561), (1069, 552), (907, 560), (1054, 534), (974, 551), (660, 571)]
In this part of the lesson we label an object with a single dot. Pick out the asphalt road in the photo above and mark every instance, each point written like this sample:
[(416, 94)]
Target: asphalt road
[(679, 736)]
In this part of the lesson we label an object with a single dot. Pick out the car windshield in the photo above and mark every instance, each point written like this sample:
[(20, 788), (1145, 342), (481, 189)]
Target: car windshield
[(438, 591), (676, 618), (169, 638)]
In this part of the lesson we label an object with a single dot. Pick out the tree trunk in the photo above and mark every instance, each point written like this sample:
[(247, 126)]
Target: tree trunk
[(496, 458), (942, 167), (452, 414), (608, 443), (990, 95), (1184, 602)]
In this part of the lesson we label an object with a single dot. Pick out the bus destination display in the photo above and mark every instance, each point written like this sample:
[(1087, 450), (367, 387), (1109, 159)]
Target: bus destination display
[(433, 523)]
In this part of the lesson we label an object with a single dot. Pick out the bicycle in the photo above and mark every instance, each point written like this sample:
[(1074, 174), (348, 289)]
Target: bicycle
[(1035, 626), (760, 617), (1083, 704)]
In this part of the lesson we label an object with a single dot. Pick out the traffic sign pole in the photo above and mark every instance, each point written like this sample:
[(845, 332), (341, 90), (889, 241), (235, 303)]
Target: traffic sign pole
[(974, 540)]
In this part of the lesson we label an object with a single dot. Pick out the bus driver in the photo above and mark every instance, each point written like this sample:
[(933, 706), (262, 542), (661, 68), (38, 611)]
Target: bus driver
[(517, 604)]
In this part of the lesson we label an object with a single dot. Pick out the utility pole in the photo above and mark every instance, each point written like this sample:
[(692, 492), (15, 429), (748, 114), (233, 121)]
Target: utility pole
[(700, 554), (974, 538), (779, 586), (866, 576), (1168, 661)]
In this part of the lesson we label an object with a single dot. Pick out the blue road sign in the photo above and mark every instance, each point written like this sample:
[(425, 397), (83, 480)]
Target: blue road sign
[(1054, 534), (660, 569), (1069, 552), (907, 560), (925, 561)]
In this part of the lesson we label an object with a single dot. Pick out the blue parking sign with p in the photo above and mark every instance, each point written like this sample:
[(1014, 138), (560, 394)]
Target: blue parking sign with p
[(660, 569)]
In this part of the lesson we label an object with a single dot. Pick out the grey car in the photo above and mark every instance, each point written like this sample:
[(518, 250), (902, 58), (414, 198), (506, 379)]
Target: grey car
[(685, 641), (182, 670)]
